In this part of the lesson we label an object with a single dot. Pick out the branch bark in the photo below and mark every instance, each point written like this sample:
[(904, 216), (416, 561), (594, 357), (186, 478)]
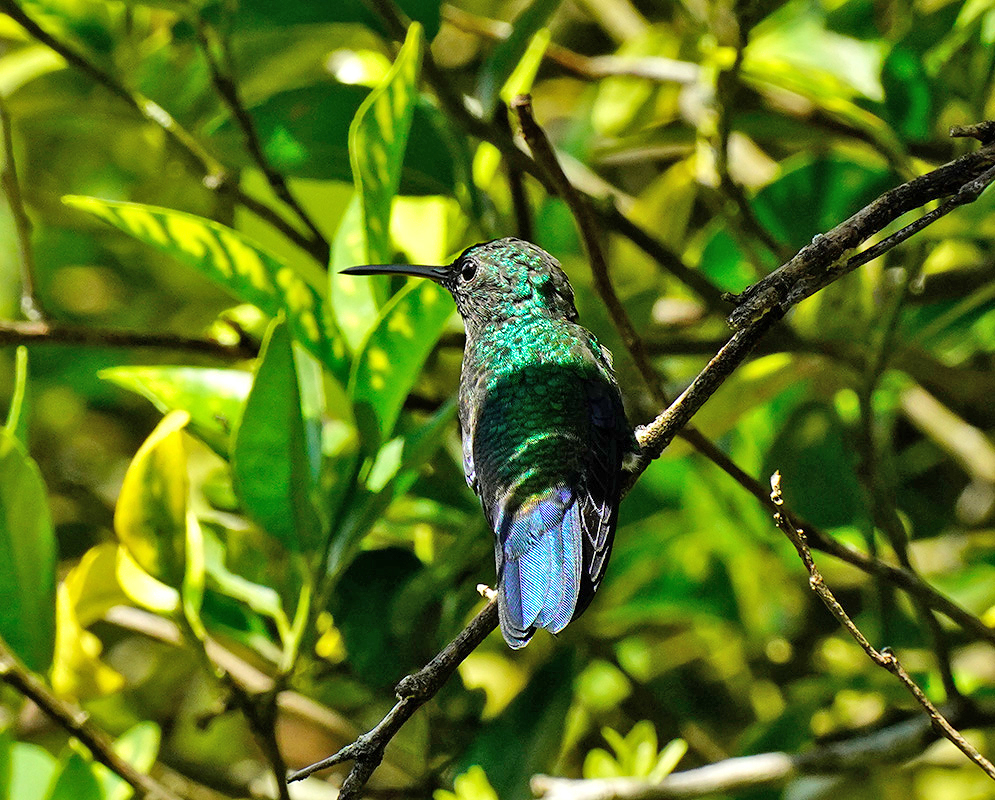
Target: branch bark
[(76, 722)]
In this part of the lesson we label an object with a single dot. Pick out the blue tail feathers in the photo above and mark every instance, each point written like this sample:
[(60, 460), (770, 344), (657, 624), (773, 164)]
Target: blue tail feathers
[(539, 561)]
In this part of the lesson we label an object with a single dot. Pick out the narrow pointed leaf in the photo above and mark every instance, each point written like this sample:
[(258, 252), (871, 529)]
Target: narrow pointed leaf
[(377, 139), (231, 260), (151, 514), (27, 557), (270, 461)]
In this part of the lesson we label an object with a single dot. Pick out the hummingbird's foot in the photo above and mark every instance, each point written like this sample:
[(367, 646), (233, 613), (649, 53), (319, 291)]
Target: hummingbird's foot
[(486, 591)]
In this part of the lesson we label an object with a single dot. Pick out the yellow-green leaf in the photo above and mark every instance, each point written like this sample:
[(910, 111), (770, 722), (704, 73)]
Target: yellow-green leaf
[(393, 355), (87, 592), (230, 259), (151, 514), (377, 139)]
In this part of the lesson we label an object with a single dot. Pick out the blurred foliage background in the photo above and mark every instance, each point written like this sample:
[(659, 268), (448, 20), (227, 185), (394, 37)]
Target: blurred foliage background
[(301, 521)]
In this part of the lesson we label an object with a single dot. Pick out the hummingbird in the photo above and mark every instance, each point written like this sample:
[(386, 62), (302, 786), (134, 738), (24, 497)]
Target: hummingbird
[(543, 428)]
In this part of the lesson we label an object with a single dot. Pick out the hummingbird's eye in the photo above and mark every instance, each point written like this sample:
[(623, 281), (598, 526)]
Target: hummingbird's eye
[(468, 271)]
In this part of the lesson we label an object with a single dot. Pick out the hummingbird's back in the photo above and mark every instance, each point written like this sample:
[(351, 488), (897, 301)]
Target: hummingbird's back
[(544, 435)]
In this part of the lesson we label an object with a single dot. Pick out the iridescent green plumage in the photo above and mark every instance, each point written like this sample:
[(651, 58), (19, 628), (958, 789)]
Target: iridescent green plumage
[(544, 431)]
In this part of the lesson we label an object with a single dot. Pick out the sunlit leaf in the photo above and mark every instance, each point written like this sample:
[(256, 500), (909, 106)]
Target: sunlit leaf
[(470, 785), (27, 557), (87, 592), (231, 260), (32, 771), (139, 746), (270, 460), (151, 514), (213, 398), (355, 301), (377, 140), (392, 357)]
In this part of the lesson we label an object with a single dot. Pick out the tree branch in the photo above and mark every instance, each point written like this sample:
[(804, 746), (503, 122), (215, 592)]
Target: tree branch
[(33, 333), (826, 258), (76, 722), (413, 692), (885, 658)]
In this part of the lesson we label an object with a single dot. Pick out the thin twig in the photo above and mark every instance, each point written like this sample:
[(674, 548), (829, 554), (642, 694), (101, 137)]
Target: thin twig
[(215, 175), (30, 306), (60, 334), (76, 722), (413, 692), (544, 155), (826, 258), (226, 87), (884, 658), (396, 22)]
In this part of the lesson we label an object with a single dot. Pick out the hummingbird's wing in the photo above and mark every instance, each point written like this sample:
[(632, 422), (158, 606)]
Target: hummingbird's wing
[(600, 486)]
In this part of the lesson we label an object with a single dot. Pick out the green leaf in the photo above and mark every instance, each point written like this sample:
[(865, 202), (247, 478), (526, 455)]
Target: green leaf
[(814, 194), (503, 59), (27, 557), (817, 473), (393, 471), (139, 746), (151, 514), (17, 415), (305, 134), (231, 260), (355, 301), (261, 599), (377, 140), (32, 770), (76, 781), (270, 461), (363, 607), (391, 359), (214, 398)]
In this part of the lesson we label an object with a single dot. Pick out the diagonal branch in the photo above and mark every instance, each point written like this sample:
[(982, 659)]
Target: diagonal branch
[(76, 722), (413, 692), (885, 658)]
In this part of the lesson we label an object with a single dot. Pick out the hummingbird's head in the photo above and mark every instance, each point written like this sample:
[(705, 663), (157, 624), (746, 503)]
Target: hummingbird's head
[(499, 280)]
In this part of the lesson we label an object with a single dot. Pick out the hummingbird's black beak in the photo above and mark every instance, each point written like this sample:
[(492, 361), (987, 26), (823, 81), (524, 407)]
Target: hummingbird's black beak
[(437, 274)]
